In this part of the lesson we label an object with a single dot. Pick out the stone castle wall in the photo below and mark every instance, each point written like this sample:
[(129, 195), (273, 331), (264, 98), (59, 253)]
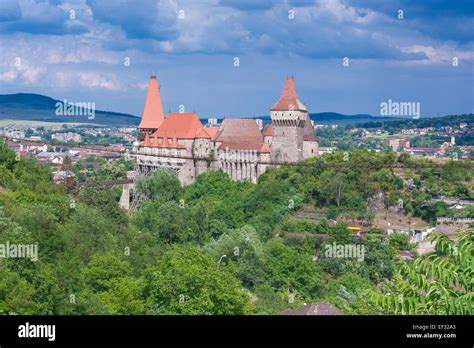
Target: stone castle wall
[(310, 149), (288, 133)]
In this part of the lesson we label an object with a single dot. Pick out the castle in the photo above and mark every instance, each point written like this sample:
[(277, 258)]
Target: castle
[(242, 148)]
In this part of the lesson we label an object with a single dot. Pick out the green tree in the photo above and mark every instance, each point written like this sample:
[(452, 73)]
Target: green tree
[(399, 241), (348, 293), (287, 269), (438, 284), (7, 156), (268, 300), (109, 287), (113, 170), (186, 281), (340, 234), (201, 219), (243, 247), (162, 184)]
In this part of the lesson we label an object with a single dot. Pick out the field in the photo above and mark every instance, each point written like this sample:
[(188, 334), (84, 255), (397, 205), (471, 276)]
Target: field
[(24, 124)]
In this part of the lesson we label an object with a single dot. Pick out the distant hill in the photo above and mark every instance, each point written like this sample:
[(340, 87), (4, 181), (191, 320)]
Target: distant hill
[(36, 107), (336, 118)]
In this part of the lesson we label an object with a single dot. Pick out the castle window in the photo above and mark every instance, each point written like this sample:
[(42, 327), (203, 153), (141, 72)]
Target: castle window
[(170, 140)]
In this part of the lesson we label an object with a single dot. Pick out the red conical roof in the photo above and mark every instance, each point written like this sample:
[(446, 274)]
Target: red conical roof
[(146, 142), (289, 98), (154, 143), (152, 116)]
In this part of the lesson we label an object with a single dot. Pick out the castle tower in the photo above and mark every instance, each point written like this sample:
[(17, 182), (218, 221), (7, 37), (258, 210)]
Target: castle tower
[(288, 115), (152, 116)]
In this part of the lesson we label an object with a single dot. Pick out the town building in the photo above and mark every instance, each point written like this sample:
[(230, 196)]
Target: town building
[(12, 133), (51, 157), (398, 144), (242, 148), (66, 137)]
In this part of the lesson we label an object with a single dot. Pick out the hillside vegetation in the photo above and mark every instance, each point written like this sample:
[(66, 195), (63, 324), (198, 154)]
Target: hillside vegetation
[(168, 256)]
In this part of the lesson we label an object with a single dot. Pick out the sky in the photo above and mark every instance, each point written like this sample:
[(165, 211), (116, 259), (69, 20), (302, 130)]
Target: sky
[(230, 58)]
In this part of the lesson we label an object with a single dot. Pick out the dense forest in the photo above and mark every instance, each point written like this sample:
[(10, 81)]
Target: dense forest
[(222, 247)]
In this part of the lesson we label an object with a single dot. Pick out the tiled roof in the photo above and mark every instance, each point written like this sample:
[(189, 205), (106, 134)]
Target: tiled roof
[(239, 130), (203, 134), (146, 141), (289, 98), (212, 131), (265, 148), (308, 133), (241, 134), (180, 125), (268, 130), (165, 143), (152, 115), (207, 133)]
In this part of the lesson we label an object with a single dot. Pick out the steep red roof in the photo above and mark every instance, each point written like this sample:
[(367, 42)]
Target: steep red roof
[(152, 115), (146, 142), (289, 98), (212, 131), (268, 130), (202, 134), (265, 148), (165, 143), (184, 125)]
